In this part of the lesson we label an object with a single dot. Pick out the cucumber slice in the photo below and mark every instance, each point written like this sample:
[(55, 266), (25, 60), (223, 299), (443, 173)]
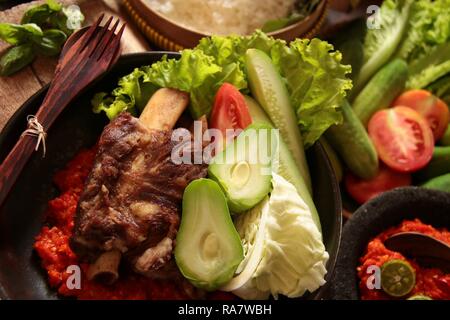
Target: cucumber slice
[(208, 248), (287, 168), (398, 278), (271, 93), (244, 168)]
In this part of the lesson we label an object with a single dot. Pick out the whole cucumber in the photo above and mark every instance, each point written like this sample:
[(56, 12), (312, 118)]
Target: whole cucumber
[(439, 164), (269, 90), (445, 140), (351, 141), (439, 183), (381, 90), (353, 54)]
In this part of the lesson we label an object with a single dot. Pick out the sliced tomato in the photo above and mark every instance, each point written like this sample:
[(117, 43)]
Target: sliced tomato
[(431, 107), (230, 110), (402, 137), (386, 179)]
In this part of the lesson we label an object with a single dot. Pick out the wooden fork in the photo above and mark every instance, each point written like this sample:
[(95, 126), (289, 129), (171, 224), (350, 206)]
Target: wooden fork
[(83, 59)]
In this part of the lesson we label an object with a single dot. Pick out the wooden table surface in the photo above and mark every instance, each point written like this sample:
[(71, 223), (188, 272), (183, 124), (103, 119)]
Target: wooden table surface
[(15, 90)]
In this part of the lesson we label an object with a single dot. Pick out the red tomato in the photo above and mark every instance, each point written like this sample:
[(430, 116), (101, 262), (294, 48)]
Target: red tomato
[(431, 107), (364, 190), (230, 110), (402, 137)]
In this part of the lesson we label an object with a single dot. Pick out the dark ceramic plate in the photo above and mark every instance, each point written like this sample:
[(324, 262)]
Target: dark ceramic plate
[(390, 209), (22, 215)]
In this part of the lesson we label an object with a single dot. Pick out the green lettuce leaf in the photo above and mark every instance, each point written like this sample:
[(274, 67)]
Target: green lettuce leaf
[(428, 27), (316, 80), (194, 72), (131, 95), (429, 75), (312, 70), (317, 84), (426, 47), (197, 74), (382, 41)]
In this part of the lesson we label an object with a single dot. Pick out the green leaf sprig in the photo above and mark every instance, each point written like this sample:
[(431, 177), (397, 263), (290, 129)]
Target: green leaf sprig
[(42, 31)]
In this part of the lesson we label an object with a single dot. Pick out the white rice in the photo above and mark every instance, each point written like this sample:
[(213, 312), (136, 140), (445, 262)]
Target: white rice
[(222, 16)]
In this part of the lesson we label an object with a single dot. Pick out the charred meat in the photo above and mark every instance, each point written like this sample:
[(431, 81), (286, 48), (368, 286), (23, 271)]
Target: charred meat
[(131, 200)]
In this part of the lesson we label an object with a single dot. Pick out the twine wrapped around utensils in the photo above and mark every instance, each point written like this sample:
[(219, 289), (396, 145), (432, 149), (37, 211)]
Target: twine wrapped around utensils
[(35, 129)]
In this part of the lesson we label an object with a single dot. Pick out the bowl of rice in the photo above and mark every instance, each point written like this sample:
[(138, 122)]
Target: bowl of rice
[(177, 24)]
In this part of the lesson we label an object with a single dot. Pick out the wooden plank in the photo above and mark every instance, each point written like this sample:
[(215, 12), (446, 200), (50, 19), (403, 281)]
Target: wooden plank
[(15, 90)]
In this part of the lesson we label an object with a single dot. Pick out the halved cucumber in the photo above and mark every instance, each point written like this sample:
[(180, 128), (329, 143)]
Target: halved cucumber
[(244, 169), (208, 248)]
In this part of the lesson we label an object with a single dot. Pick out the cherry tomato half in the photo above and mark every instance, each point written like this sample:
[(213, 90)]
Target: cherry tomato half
[(386, 179), (230, 110), (402, 137), (431, 107)]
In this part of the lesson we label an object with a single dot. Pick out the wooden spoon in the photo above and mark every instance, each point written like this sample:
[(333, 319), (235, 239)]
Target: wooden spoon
[(425, 249)]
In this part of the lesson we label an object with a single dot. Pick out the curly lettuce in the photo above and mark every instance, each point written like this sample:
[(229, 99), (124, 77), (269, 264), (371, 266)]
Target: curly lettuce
[(194, 72), (426, 47), (131, 95), (428, 27), (316, 80), (312, 71)]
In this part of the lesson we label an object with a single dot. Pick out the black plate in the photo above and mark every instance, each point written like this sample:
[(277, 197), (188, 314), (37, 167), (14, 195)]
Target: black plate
[(22, 215), (390, 209)]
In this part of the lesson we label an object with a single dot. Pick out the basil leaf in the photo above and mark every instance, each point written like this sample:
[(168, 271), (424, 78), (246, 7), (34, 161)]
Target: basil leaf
[(41, 14), (51, 42), (18, 34), (16, 58), (54, 5)]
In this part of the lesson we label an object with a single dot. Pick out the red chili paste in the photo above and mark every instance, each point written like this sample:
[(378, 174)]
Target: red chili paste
[(431, 282), (52, 245)]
